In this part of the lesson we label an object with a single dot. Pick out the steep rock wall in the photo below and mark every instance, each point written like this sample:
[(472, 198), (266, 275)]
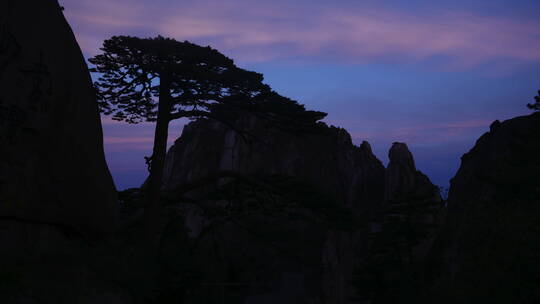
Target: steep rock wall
[(57, 197), (488, 249), (402, 177), (325, 158), (52, 165)]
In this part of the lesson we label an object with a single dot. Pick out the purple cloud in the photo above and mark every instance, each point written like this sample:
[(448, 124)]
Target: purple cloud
[(283, 31)]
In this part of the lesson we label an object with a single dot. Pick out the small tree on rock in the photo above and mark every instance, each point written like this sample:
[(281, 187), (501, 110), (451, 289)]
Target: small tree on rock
[(536, 105)]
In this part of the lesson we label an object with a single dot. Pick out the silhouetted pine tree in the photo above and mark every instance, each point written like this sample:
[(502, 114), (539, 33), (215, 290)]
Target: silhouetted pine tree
[(160, 80), (536, 105)]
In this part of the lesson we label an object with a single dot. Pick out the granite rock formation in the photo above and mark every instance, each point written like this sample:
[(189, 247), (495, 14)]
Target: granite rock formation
[(402, 230), (402, 177), (325, 158), (407, 186), (488, 250), (52, 165)]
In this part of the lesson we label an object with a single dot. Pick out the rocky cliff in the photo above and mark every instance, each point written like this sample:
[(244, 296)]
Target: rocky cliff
[(52, 165), (402, 177), (324, 158), (57, 198), (489, 248)]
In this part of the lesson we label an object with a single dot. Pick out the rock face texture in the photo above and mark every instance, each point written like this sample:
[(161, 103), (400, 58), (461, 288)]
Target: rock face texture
[(489, 248), (324, 158), (52, 166)]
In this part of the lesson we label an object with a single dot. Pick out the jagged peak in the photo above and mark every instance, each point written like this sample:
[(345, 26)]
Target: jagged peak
[(399, 153), (494, 126), (366, 147)]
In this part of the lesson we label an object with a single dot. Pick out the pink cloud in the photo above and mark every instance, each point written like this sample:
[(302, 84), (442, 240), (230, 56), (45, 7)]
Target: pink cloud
[(115, 140), (121, 136), (264, 32), (128, 143)]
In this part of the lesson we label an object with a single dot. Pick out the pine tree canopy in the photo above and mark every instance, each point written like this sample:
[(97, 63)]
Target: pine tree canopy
[(134, 72)]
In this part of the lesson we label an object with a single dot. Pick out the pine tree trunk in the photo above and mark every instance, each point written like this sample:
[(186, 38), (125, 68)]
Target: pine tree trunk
[(154, 206)]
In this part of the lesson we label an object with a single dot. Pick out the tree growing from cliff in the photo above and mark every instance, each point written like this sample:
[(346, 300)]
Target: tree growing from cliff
[(536, 105), (160, 80)]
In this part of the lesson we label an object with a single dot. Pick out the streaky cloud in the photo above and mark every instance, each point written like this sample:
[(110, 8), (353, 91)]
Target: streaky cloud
[(263, 32)]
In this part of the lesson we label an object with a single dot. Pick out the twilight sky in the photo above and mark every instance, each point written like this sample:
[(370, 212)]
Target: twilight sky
[(433, 74)]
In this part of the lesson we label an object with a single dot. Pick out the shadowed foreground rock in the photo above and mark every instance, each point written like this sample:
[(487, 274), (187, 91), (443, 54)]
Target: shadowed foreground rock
[(52, 165), (57, 197), (489, 249)]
